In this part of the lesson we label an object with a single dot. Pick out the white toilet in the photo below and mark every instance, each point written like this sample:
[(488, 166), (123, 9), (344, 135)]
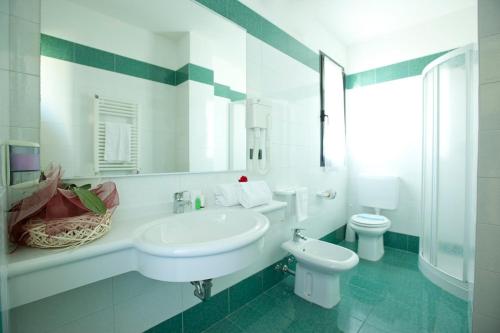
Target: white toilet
[(318, 263), (318, 266), (378, 192)]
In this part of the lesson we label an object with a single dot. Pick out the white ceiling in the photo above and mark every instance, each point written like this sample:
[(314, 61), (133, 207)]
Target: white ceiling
[(355, 21)]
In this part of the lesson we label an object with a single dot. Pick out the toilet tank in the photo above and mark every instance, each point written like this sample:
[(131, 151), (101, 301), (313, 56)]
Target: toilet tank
[(378, 191)]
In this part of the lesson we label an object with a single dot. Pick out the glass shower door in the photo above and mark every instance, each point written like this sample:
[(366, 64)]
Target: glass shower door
[(451, 170)]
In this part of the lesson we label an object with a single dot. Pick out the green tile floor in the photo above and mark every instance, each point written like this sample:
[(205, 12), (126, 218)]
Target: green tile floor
[(390, 295)]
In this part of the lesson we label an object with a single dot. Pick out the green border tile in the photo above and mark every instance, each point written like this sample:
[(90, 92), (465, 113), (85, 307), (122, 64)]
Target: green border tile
[(200, 74), (412, 67), (182, 75), (57, 48), (266, 31), (162, 75), (93, 57), (132, 67), (222, 90), (245, 17), (396, 240), (84, 55), (218, 6), (353, 81), (236, 95), (392, 72), (413, 243), (416, 66)]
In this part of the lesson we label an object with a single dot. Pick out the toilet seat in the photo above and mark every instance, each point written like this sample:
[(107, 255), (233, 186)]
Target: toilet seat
[(370, 220)]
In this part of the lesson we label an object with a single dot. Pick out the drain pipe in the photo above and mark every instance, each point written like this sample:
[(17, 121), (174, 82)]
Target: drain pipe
[(203, 289), (284, 267)]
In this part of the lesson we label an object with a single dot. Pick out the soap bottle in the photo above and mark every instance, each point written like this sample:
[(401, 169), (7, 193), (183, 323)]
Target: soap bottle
[(197, 203)]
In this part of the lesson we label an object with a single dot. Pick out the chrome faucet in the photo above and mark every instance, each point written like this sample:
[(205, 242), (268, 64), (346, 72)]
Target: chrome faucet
[(297, 235), (180, 202)]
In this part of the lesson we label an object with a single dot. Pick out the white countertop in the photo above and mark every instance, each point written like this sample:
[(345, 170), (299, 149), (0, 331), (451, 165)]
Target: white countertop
[(25, 261)]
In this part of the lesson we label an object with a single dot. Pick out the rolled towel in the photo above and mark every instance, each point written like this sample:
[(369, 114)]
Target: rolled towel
[(227, 194), (254, 194), (301, 196)]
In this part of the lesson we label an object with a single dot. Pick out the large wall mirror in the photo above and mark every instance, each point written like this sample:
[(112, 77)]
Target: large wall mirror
[(134, 89)]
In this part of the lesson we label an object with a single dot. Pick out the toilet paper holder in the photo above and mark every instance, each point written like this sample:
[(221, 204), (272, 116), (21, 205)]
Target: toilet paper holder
[(327, 194)]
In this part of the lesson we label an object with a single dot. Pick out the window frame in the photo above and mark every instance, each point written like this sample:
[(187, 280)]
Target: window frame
[(323, 115)]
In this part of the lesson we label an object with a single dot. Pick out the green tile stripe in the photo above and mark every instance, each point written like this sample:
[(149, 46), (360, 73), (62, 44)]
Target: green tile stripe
[(260, 28), (203, 315), (85, 55), (395, 71), (401, 241)]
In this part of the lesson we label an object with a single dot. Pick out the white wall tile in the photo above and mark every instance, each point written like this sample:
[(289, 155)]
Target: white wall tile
[(4, 133), (489, 102), (26, 9), (140, 303), (485, 324), (488, 17), (149, 308), (487, 249), (53, 312), (24, 100), (5, 6), (4, 98), (489, 59), (132, 284), (4, 40), (24, 46), (99, 322), (25, 134), (489, 159), (488, 197), (487, 293)]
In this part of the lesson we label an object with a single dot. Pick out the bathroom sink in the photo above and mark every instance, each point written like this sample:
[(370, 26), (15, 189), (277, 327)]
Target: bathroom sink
[(200, 245)]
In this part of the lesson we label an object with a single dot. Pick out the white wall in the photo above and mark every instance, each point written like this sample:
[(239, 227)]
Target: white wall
[(67, 116), (132, 303), (486, 310), (384, 138), (304, 28), (19, 98), (67, 120), (384, 120), (441, 34), (66, 20)]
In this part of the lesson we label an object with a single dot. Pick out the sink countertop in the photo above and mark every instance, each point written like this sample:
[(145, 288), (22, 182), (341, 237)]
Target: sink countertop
[(34, 274), (25, 259)]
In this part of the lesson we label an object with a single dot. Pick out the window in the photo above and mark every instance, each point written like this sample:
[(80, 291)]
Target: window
[(332, 114)]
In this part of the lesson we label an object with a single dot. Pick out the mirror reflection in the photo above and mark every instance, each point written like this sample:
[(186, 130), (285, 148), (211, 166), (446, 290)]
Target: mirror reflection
[(133, 89)]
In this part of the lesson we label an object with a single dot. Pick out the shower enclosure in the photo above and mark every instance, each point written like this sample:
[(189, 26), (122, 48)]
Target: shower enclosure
[(449, 171)]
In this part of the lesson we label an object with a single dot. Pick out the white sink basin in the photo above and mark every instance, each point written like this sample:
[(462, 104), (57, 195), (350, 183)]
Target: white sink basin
[(200, 245)]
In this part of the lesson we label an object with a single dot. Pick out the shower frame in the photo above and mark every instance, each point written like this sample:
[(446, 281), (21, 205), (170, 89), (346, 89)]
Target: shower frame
[(459, 286)]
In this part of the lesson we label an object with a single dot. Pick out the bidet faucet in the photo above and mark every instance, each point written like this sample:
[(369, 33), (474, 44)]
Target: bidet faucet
[(180, 203), (297, 235)]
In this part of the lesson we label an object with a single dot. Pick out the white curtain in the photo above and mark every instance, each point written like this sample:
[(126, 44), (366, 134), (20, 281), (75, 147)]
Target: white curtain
[(334, 125)]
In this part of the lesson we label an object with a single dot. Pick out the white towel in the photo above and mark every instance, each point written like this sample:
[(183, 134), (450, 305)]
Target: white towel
[(117, 142), (227, 194), (301, 197), (254, 194)]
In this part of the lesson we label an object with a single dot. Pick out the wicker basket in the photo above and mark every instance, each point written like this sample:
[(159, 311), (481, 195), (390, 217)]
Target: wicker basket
[(76, 231)]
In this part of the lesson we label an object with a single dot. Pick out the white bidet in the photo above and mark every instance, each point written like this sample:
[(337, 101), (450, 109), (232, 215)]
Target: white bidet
[(318, 266)]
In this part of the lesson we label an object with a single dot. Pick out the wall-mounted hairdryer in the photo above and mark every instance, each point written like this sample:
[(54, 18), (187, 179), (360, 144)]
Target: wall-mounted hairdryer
[(258, 124)]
